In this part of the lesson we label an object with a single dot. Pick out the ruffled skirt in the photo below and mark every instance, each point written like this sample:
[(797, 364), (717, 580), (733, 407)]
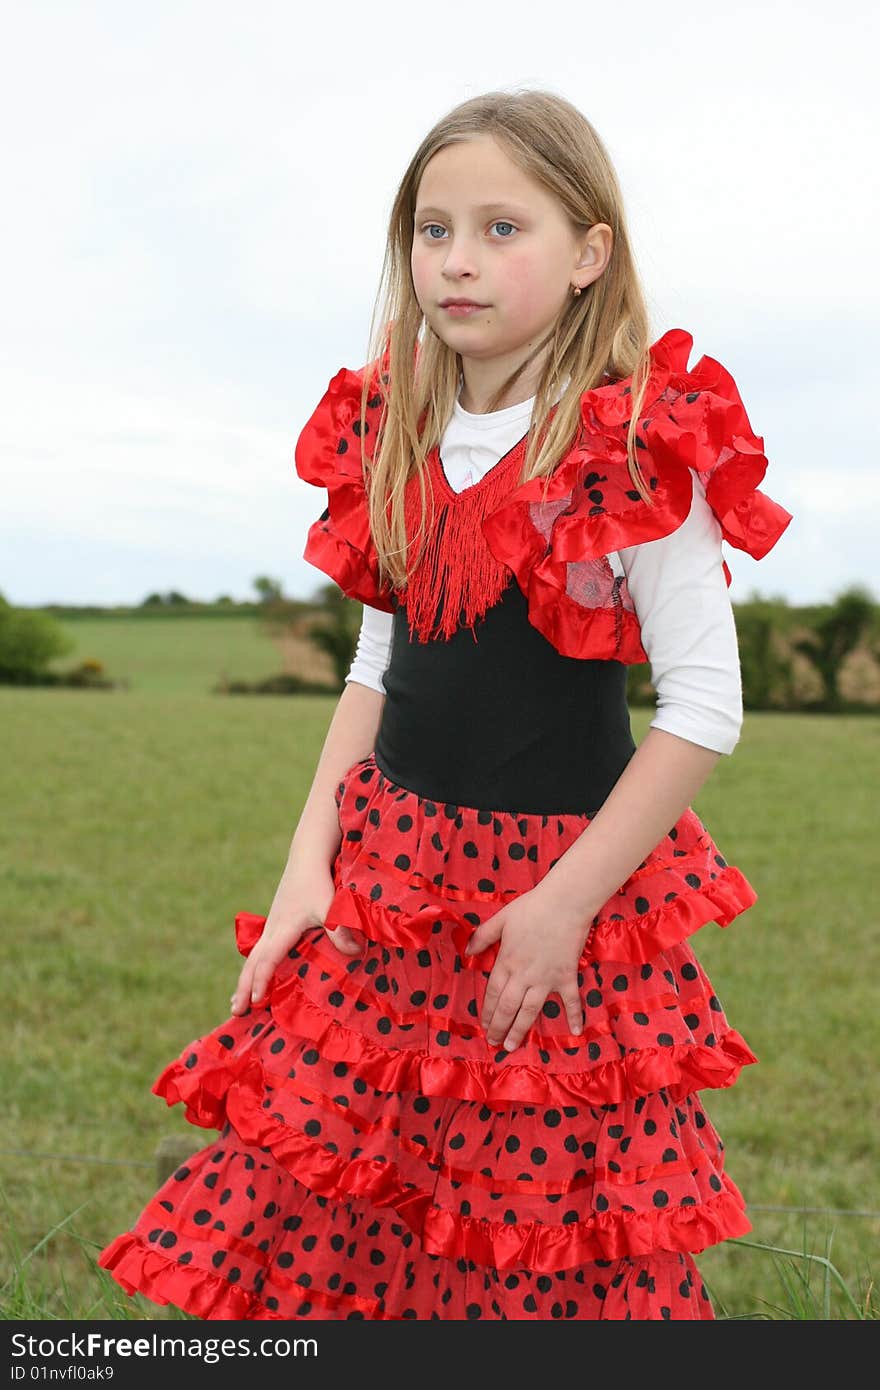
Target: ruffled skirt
[(377, 1159)]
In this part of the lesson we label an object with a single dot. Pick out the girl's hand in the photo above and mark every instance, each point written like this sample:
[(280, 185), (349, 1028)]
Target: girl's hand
[(302, 900), (541, 943)]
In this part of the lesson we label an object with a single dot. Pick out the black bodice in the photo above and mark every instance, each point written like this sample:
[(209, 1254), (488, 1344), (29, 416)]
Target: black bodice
[(496, 718)]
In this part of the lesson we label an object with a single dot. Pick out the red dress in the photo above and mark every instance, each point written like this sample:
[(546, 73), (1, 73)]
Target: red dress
[(375, 1157)]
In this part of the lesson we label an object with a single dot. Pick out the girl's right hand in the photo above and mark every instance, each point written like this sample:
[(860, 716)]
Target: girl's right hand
[(302, 900)]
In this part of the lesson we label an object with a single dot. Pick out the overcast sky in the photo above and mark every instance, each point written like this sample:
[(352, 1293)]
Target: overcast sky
[(195, 205)]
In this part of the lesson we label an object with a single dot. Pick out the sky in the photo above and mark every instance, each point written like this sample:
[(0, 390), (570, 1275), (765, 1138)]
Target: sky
[(196, 205)]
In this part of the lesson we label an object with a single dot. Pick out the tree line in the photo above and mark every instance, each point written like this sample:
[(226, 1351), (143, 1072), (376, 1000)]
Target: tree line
[(822, 657)]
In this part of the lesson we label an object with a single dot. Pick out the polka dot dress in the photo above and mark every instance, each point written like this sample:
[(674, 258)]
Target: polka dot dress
[(374, 1157)]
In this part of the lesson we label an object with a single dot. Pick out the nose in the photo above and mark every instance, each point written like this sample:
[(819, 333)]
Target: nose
[(460, 259)]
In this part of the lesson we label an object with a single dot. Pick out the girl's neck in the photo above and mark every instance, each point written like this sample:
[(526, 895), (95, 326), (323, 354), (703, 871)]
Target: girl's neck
[(514, 407), (520, 401), (482, 379), (516, 396)]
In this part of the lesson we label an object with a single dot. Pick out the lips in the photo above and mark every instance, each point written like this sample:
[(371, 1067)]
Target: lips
[(461, 304)]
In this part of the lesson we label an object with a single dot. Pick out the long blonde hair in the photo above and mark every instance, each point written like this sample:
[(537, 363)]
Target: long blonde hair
[(604, 329)]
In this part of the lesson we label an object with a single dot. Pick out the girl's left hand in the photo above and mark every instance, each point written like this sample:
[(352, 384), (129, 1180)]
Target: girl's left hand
[(541, 944)]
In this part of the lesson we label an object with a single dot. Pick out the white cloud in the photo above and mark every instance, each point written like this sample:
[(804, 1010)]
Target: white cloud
[(199, 197)]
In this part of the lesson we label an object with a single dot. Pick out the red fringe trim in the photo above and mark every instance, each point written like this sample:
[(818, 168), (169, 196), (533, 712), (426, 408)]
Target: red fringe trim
[(693, 419), (457, 570)]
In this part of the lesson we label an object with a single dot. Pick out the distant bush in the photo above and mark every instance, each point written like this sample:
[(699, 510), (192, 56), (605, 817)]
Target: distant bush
[(282, 684), (824, 658), (173, 598), (29, 641), (90, 673)]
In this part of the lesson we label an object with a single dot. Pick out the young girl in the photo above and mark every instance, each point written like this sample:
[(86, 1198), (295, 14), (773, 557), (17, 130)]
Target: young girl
[(461, 1076)]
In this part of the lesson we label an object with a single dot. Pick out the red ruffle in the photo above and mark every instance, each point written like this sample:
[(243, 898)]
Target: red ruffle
[(138, 1269), (548, 1248), (328, 455), (638, 1289), (651, 1018), (679, 1069), (201, 1089), (558, 547), (630, 940), (683, 883), (533, 1244)]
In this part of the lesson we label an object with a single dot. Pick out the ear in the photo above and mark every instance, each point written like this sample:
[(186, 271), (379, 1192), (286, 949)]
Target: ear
[(595, 253)]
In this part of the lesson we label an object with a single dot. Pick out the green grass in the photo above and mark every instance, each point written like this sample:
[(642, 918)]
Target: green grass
[(137, 826), (172, 657)]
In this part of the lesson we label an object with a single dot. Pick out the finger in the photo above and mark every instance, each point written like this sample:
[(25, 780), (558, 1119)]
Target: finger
[(485, 934), (263, 972), (241, 993), (506, 1010), (494, 987), (344, 940), (531, 1007), (573, 1011), (274, 952)]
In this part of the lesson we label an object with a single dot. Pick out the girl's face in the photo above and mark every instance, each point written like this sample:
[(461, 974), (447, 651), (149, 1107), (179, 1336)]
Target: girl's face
[(486, 231)]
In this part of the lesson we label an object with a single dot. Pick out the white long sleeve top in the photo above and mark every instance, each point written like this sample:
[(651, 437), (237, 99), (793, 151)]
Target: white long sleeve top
[(676, 583)]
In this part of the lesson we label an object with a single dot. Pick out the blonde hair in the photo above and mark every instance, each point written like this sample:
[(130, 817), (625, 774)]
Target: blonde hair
[(604, 329)]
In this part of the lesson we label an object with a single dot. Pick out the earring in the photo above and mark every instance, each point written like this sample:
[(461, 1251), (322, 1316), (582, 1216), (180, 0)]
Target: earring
[(576, 289)]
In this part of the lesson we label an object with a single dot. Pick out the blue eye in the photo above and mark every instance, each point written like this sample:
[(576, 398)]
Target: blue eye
[(429, 225)]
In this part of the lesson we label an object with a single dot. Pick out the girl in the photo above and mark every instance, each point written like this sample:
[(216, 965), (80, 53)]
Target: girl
[(461, 1076)]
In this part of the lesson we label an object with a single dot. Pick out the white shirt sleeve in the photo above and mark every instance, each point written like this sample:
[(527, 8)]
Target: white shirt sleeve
[(373, 651), (688, 631)]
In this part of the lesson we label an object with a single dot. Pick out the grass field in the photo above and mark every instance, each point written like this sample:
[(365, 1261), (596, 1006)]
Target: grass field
[(138, 823), (175, 655)]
